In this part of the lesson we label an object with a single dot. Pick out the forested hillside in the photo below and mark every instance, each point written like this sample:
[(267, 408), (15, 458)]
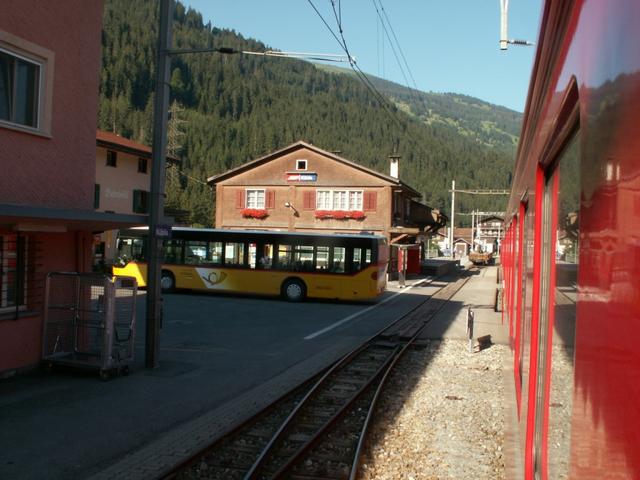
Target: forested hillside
[(228, 109)]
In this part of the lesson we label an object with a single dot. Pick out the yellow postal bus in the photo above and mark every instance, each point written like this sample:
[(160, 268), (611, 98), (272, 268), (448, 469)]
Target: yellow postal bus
[(293, 265)]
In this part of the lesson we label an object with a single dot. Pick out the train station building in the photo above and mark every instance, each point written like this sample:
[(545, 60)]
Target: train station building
[(305, 188)]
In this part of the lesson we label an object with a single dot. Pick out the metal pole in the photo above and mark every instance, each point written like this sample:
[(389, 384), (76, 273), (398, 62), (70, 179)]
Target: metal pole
[(473, 231), (453, 213), (470, 316), (156, 211)]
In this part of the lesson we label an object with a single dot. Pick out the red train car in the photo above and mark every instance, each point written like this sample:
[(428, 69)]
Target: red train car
[(571, 257)]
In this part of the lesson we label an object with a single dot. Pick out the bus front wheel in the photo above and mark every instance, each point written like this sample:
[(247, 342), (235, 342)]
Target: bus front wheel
[(294, 290), (167, 281)]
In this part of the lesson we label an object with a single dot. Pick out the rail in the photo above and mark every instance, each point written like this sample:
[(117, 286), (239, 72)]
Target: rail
[(324, 428)]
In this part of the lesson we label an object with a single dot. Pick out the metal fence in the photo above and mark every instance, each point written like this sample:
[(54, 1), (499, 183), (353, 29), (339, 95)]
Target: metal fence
[(89, 321)]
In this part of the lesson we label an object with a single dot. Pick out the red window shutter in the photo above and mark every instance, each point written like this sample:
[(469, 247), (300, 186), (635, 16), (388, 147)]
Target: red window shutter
[(309, 200), (270, 201), (240, 199), (370, 201)]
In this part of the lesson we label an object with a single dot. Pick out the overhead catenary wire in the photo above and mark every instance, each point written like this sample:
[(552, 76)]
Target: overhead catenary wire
[(386, 104), (415, 85), (325, 57), (352, 62), (391, 43)]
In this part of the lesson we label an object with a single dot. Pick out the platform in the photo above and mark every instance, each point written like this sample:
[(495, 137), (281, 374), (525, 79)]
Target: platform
[(71, 425)]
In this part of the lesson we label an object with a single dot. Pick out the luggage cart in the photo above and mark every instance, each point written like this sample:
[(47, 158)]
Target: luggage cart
[(89, 322)]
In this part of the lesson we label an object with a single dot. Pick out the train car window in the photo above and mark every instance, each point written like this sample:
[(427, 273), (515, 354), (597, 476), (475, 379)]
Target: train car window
[(234, 253), (214, 254), (195, 252), (322, 258), (566, 258)]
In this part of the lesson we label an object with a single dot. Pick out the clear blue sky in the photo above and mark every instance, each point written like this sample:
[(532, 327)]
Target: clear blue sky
[(449, 45)]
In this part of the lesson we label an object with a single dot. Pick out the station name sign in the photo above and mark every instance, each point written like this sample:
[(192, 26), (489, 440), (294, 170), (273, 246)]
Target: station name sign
[(302, 177)]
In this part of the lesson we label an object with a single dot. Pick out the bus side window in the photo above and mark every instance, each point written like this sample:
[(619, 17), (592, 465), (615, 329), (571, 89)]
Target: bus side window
[(266, 255), (131, 249), (322, 259), (303, 258), (357, 260), (339, 257), (214, 254), (234, 253), (195, 252), (173, 251), (137, 249), (284, 257)]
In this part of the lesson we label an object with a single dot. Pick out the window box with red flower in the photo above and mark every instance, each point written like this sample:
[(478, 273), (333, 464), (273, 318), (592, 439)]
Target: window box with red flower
[(254, 213), (340, 214)]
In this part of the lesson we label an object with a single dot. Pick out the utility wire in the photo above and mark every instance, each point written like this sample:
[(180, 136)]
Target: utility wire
[(189, 177), (384, 102), (414, 93), (393, 48), (397, 42), (325, 57), (354, 66)]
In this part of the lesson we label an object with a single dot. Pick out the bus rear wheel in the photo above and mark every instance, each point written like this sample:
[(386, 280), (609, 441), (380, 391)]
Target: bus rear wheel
[(294, 290), (167, 281)]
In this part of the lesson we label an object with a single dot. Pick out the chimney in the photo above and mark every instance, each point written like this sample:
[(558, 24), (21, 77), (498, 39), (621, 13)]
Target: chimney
[(394, 165)]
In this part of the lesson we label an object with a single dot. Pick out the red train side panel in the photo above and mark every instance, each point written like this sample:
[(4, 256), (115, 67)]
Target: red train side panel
[(572, 251)]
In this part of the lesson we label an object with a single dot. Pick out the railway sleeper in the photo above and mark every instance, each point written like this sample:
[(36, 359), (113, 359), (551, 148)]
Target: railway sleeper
[(420, 344), (321, 472)]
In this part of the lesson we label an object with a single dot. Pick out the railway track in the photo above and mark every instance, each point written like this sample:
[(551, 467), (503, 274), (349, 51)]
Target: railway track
[(318, 430)]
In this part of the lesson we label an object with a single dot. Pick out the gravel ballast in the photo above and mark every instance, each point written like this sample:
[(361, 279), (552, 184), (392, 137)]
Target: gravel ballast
[(441, 416)]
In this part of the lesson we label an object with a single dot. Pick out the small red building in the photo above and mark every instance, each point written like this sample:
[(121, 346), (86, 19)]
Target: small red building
[(48, 110)]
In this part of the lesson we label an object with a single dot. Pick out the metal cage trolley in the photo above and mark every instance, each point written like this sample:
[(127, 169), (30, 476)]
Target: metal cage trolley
[(89, 322)]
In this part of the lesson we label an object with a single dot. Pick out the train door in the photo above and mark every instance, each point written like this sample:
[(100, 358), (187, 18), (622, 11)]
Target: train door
[(520, 287), (558, 295)]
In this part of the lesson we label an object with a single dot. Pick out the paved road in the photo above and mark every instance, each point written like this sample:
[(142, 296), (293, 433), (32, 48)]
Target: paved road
[(214, 349)]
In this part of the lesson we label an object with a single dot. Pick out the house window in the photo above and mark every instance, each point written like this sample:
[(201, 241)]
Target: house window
[(96, 196), (339, 200), (323, 200), (112, 158), (255, 199), (13, 271), (19, 89), (140, 201), (142, 165), (355, 200), (301, 164)]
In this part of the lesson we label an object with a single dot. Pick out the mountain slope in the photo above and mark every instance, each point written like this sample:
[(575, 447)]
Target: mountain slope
[(234, 108)]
